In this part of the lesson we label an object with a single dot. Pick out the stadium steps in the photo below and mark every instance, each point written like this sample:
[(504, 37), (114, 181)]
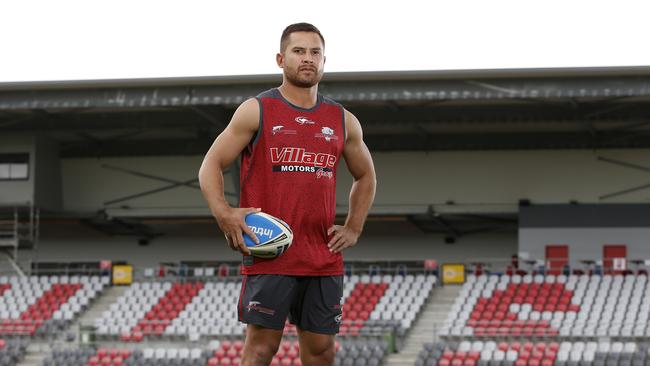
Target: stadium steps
[(425, 328), (35, 356), (108, 297), (103, 303)]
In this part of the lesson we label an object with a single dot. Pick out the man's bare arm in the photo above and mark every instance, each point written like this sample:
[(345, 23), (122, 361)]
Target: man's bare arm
[(225, 149), (362, 194)]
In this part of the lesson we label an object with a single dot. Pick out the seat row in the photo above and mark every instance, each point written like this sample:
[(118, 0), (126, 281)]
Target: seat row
[(533, 354), (31, 305), (551, 305), (225, 353), (197, 309), (12, 351)]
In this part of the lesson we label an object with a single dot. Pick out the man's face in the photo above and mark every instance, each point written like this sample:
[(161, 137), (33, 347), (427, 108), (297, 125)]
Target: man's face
[(302, 60)]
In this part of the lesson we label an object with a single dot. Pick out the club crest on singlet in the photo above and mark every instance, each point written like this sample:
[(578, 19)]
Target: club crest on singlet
[(327, 134)]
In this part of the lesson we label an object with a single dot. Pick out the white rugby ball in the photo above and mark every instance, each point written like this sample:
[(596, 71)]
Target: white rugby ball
[(275, 235)]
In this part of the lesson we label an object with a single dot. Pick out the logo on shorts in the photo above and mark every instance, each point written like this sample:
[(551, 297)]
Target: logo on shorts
[(338, 318), (256, 306)]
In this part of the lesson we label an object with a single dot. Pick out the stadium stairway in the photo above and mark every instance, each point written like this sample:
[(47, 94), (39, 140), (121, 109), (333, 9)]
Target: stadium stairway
[(34, 356), (424, 330), (110, 295)]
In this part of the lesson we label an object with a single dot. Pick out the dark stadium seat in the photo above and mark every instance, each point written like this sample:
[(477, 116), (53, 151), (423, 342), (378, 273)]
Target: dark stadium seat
[(223, 353), (577, 353)]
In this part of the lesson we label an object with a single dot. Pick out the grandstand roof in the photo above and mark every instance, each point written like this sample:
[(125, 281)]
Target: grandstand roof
[(412, 110)]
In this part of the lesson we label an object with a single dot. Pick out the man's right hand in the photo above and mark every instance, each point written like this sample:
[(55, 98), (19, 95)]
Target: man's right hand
[(232, 223)]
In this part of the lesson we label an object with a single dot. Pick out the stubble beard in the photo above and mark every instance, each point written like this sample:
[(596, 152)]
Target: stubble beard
[(294, 79)]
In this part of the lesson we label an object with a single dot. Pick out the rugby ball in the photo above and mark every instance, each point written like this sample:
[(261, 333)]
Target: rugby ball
[(275, 235)]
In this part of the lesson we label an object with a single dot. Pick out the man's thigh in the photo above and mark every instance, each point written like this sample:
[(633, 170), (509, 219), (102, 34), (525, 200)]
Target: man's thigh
[(316, 349), (261, 345)]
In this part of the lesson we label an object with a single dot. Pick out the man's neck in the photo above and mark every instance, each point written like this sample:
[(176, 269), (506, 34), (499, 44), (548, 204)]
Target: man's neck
[(301, 97)]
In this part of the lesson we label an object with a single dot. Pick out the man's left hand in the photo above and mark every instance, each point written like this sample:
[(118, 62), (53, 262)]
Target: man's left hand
[(343, 237)]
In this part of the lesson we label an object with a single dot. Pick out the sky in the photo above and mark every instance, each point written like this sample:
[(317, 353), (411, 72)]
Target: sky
[(122, 39)]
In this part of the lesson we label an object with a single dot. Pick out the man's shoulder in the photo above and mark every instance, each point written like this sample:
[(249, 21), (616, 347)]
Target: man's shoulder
[(270, 93), (328, 100)]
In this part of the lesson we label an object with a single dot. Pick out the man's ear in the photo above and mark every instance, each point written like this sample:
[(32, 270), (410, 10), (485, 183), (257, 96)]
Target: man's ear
[(279, 59)]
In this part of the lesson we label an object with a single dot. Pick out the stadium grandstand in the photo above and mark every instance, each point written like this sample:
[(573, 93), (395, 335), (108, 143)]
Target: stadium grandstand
[(511, 225)]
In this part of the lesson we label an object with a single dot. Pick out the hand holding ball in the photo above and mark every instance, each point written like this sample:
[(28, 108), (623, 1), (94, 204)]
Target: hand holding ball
[(274, 235)]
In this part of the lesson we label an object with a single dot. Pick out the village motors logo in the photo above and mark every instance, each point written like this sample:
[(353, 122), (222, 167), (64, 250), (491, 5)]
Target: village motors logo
[(300, 156), (304, 121), (297, 159)]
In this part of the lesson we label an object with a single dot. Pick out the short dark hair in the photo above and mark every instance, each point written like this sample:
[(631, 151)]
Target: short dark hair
[(298, 27)]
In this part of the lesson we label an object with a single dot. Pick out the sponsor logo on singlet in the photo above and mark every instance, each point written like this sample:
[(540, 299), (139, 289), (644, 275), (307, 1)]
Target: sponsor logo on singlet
[(297, 159), (322, 173), (304, 120), (280, 130)]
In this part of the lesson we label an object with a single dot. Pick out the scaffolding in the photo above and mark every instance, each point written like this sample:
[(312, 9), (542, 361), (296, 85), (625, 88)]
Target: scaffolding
[(19, 228)]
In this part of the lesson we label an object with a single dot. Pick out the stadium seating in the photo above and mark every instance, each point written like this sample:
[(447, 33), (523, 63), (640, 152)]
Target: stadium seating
[(12, 351), (192, 310), (225, 353), (362, 353), (491, 353), (43, 305), (196, 309), (566, 306), (118, 357), (205, 316), (374, 303), (404, 298)]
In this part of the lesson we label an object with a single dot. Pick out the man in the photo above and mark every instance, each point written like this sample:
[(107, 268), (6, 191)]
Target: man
[(291, 139)]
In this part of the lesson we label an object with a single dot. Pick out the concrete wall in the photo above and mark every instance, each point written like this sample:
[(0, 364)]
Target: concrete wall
[(405, 178), (585, 243), (400, 241), (43, 187), (585, 229)]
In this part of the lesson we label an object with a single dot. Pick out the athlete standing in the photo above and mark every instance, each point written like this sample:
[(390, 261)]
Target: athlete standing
[(291, 139)]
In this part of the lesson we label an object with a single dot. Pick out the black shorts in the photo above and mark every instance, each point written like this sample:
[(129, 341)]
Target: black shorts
[(312, 303)]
